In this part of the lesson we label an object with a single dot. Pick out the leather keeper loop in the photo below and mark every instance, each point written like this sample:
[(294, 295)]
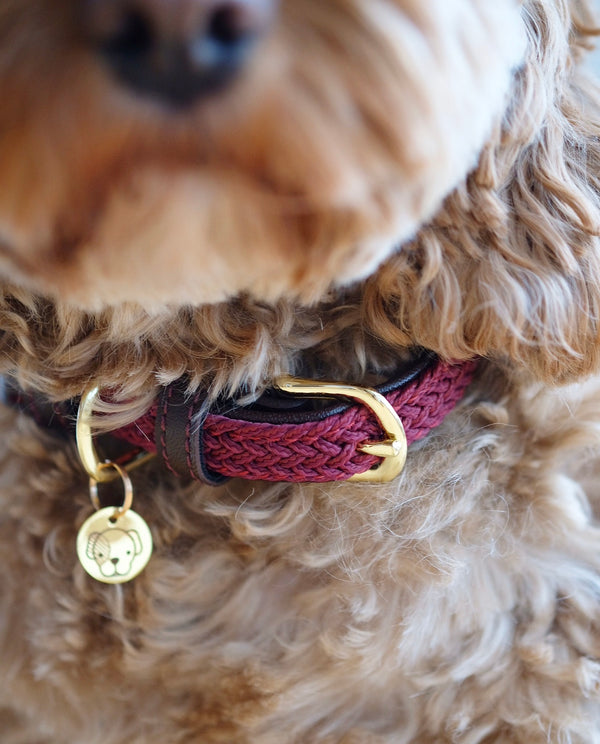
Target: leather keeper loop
[(178, 435)]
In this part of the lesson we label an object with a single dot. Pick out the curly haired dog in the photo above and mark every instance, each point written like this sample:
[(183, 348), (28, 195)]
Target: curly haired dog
[(211, 194)]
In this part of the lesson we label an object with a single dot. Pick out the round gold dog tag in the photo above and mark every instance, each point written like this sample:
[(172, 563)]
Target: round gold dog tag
[(112, 548)]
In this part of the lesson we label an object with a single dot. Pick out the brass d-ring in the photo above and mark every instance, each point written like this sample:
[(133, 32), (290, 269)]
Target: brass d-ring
[(83, 435), (93, 465), (127, 486)]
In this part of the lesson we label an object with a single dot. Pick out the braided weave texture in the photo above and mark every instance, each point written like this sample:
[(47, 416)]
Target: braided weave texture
[(327, 450), (318, 451)]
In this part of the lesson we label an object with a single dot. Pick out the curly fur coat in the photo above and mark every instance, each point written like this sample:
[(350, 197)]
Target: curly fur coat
[(386, 175)]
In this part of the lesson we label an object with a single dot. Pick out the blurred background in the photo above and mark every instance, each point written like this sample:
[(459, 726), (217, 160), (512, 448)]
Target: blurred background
[(595, 58)]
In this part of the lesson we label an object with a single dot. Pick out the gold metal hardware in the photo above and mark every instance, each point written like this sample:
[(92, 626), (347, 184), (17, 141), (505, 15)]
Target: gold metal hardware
[(392, 449), (93, 465), (112, 551), (114, 544), (127, 487)]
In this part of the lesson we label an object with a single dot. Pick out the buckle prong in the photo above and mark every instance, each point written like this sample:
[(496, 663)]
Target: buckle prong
[(392, 449), (387, 448)]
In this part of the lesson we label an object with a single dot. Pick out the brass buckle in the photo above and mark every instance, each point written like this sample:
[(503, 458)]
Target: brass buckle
[(97, 469), (392, 449)]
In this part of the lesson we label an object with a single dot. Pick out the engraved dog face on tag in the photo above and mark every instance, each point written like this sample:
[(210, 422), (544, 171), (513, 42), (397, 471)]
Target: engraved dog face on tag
[(114, 550)]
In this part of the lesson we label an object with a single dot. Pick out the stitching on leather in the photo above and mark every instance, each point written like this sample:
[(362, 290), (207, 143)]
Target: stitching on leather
[(163, 429), (188, 455)]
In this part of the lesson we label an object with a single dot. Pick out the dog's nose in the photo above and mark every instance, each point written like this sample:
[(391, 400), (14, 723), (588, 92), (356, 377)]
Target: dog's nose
[(114, 561), (176, 50)]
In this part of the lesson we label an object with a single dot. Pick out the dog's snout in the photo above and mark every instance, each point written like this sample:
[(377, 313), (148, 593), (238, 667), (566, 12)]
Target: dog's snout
[(176, 50)]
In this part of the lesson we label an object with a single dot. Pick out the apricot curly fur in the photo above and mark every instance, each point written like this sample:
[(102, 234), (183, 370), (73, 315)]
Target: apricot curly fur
[(309, 220)]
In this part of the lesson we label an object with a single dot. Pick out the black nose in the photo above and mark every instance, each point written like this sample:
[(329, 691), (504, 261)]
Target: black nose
[(176, 50), (114, 560)]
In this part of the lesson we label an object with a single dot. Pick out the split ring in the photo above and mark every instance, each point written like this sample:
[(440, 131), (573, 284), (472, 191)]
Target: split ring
[(127, 487)]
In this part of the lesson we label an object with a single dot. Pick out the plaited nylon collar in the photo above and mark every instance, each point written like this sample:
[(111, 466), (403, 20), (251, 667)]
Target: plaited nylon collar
[(275, 441), (279, 438)]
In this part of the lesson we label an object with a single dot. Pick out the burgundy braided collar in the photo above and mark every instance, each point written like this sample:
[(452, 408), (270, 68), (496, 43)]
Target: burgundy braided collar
[(286, 437)]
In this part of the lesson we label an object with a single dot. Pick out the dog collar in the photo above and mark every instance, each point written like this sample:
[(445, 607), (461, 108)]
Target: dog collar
[(302, 431), (297, 431)]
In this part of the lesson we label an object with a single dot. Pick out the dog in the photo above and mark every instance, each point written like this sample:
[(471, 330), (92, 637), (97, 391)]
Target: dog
[(383, 199), (114, 551)]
